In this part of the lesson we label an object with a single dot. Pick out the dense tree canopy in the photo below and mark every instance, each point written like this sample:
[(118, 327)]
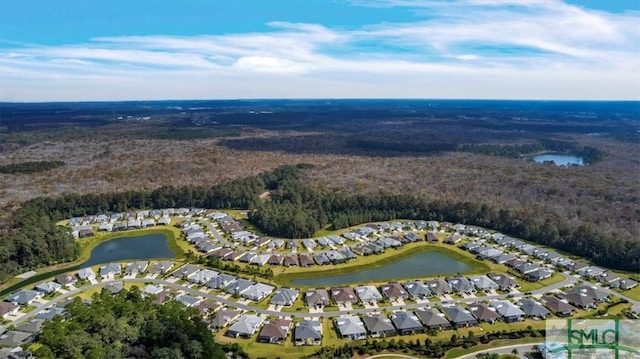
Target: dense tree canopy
[(127, 326), (30, 167)]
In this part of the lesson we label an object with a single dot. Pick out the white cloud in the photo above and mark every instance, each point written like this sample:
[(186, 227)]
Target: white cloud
[(461, 49)]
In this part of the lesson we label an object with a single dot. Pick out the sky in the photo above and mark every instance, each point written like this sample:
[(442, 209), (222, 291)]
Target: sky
[(105, 50)]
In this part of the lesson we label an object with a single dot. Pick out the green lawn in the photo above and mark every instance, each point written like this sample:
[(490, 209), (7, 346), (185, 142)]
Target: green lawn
[(526, 286), (631, 293), (458, 352)]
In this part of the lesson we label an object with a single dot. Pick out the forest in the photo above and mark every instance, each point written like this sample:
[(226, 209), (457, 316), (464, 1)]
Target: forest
[(127, 325), (295, 210), (30, 167)]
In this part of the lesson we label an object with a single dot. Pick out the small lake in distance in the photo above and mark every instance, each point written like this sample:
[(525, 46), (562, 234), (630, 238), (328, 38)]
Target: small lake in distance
[(559, 159), (425, 264), (130, 248)]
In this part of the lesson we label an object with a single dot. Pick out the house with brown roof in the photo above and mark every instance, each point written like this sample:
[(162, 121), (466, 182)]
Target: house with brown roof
[(275, 331), (7, 309), (394, 291), (276, 259), (306, 260), (343, 295), (290, 260), (558, 306), (483, 313), (66, 279)]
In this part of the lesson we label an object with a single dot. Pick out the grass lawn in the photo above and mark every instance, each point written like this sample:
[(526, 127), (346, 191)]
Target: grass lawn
[(526, 286), (631, 293), (458, 352), (298, 306), (390, 256)]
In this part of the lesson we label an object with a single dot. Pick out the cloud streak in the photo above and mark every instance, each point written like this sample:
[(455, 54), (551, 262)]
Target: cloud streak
[(515, 49)]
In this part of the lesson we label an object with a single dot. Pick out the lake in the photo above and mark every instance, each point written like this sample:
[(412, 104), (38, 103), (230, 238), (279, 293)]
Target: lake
[(130, 248), (559, 159), (425, 264)]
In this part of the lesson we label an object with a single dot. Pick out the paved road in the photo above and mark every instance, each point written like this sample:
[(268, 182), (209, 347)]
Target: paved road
[(522, 348), (195, 292)]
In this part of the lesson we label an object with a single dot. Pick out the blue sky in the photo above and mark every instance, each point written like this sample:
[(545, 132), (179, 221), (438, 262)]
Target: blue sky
[(75, 50)]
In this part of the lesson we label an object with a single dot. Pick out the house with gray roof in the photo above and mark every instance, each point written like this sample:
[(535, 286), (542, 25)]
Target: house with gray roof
[(114, 287), (284, 297), (260, 259), (323, 241), (439, 286), (591, 291), (135, 268), (245, 326), (335, 257), (368, 293), (32, 326), (186, 271), (343, 295), (238, 286), (394, 291), (378, 325), (318, 298), (110, 270), (50, 313), (308, 332), (221, 281), (591, 271), (351, 327), (538, 274), (433, 319), (336, 239), (483, 283), (461, 284), (24, 297), (417, 289), (161, 267), (14, 338), (275, 331), (509, 312), (86, 274), (203, 276), (258, 292), (502, 258), (309, 244), (483, 313), (453, 239), (412, 237), (533, 309), (152, 290), (347, 253), (406, 323), (459, 316), (321, 258), (623, 284), (223, 317), (504, 282), (48, 287)]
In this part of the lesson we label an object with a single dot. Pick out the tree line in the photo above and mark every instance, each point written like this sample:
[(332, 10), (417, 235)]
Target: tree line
[(294, 210), (128, 325), (589, 154), (30, 167)]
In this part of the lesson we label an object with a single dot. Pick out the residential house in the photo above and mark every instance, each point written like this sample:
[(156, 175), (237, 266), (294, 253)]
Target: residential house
[(509, 312), (306, 260), (538, 274), (406, 323), (24, 297), (558, 306), (308, 332), (394, 291), (624, 284), (483, 313), (460, 285), (484, 283), (343, 295), (453, 239), (591, 272), (412, 237), (260, 259), (161, 267), (202, 276), (607, 277), (336, 257), (186, 271), (533, 309), (290, 260), (378, 325), (221, 281), (417, 289), (258, 292), (33, 326), (275, 331), (224, 317), (318, 298), (347, 253), (238, 286), (245, 326), (439, 287), (7, 309), (152, 290), (136, 268), (110, 270), (525, 268), (502, 258), (50, 313), (115, 287), (105, 227), (284, 297), (14, 338), (579, 300), (276, 259), (66, 280), (504, 282), (459, 316), (86, 274), (206, 307), (48, 287), (593, 292), (188, 301), (431, 237), (368, 293), (321, 259), (433, 319), (350, 327)]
